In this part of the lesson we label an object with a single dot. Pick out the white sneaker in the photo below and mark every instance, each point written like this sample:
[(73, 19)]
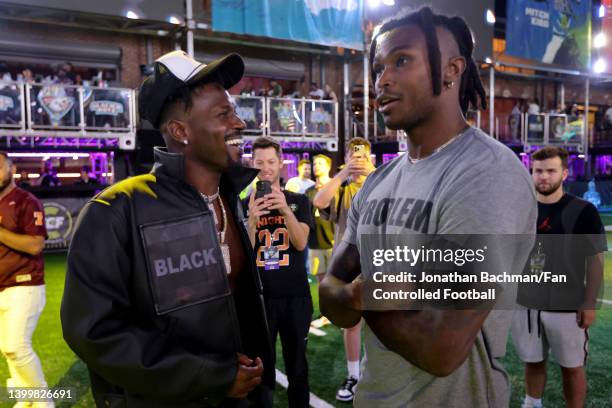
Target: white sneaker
[(530, 405), (346, 392), (45, 404), (320, 322), (11, 383)]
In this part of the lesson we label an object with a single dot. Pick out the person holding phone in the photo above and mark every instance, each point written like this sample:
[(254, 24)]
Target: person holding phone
[(279, 223), (334, 201)]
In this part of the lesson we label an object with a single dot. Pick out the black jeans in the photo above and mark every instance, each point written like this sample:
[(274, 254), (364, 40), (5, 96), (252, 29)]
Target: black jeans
[(290, 317)]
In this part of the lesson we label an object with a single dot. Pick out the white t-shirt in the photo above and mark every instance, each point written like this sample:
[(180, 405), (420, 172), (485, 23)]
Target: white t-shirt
[(319, 93), (298, 185), (533, 109)]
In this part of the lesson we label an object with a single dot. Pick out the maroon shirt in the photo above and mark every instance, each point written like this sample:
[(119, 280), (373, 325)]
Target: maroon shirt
[(21, 213)]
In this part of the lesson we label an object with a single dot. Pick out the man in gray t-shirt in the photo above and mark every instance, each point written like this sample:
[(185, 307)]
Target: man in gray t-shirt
[(334, 201), (457, 190), (453, 180)]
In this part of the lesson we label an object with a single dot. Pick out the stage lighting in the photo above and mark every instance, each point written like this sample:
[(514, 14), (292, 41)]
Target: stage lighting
[(389, 2), (172, 19), (600, 40), (373, 3), (131, 14), (602, 11), (599, 66), (490, 16)]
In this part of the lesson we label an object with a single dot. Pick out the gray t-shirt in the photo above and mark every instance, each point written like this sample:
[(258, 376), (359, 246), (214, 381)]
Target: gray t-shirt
[(475, 185)]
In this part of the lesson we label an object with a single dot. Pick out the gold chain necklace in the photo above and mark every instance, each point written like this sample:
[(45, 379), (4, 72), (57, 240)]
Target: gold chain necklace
[(436, 150), (220, 234)]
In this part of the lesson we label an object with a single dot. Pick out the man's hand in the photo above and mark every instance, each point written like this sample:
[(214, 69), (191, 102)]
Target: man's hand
[(276, 201), (247, 377), (585, 318), (354, 290), (257, 208), (360, 166)]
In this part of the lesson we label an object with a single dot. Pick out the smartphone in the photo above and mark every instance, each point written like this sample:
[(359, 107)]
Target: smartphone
[(262, 188), (358, 151)]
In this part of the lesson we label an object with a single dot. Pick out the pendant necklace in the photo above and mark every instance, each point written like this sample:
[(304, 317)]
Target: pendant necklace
[(210, 200)]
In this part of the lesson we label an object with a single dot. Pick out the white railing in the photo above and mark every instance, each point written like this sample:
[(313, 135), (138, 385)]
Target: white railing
[(290, 119), (65, 110), (552, 128), (57, 110)]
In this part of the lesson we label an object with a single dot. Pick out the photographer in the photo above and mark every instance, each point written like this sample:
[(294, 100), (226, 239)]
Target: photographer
[(279, 223)]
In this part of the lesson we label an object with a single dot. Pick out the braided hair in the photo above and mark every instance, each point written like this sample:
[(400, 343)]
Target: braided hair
[(471, 91)]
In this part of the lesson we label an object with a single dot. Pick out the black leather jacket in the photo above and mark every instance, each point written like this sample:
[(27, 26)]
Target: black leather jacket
[(154, 319)]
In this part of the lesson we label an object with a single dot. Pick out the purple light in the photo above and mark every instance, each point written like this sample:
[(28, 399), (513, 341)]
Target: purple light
[(49, 155), (603, 164), (77, 143), (389, 156), (291, 161), (526, 160)]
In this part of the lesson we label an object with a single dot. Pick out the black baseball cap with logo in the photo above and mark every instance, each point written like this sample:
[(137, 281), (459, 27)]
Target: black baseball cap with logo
[(176, 70)]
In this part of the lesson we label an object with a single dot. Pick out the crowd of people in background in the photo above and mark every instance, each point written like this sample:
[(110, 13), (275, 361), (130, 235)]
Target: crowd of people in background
[(50, 178), (603, 115), (274, 89), (64, 74)]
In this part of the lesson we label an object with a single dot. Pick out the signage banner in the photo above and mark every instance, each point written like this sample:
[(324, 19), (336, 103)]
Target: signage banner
[(550, 31), (325, 22), (60, 219)]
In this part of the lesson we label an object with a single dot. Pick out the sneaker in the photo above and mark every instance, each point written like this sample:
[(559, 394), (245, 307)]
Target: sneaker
[(346, 392), (530, 405), (320, 322)]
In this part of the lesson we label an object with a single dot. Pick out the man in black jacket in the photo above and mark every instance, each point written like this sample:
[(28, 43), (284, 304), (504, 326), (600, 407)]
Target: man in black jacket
[(162, 299)]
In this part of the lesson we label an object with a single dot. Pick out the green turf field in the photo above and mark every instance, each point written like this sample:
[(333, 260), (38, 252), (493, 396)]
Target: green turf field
[(325, 354)]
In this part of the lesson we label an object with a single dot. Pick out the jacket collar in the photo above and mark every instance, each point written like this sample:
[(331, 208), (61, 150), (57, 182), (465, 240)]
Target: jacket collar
[(234, 179)]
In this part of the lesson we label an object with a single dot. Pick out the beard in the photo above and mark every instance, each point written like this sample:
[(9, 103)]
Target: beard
[(550, 190), (231, 162), (406, 120), (5, 183)]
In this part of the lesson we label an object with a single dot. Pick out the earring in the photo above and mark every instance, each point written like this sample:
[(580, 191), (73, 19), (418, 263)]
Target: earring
[(449, 84), (185, 142)]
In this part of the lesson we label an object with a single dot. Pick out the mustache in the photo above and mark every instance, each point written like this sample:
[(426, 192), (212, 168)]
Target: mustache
[(234, 134), (386, 96)]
